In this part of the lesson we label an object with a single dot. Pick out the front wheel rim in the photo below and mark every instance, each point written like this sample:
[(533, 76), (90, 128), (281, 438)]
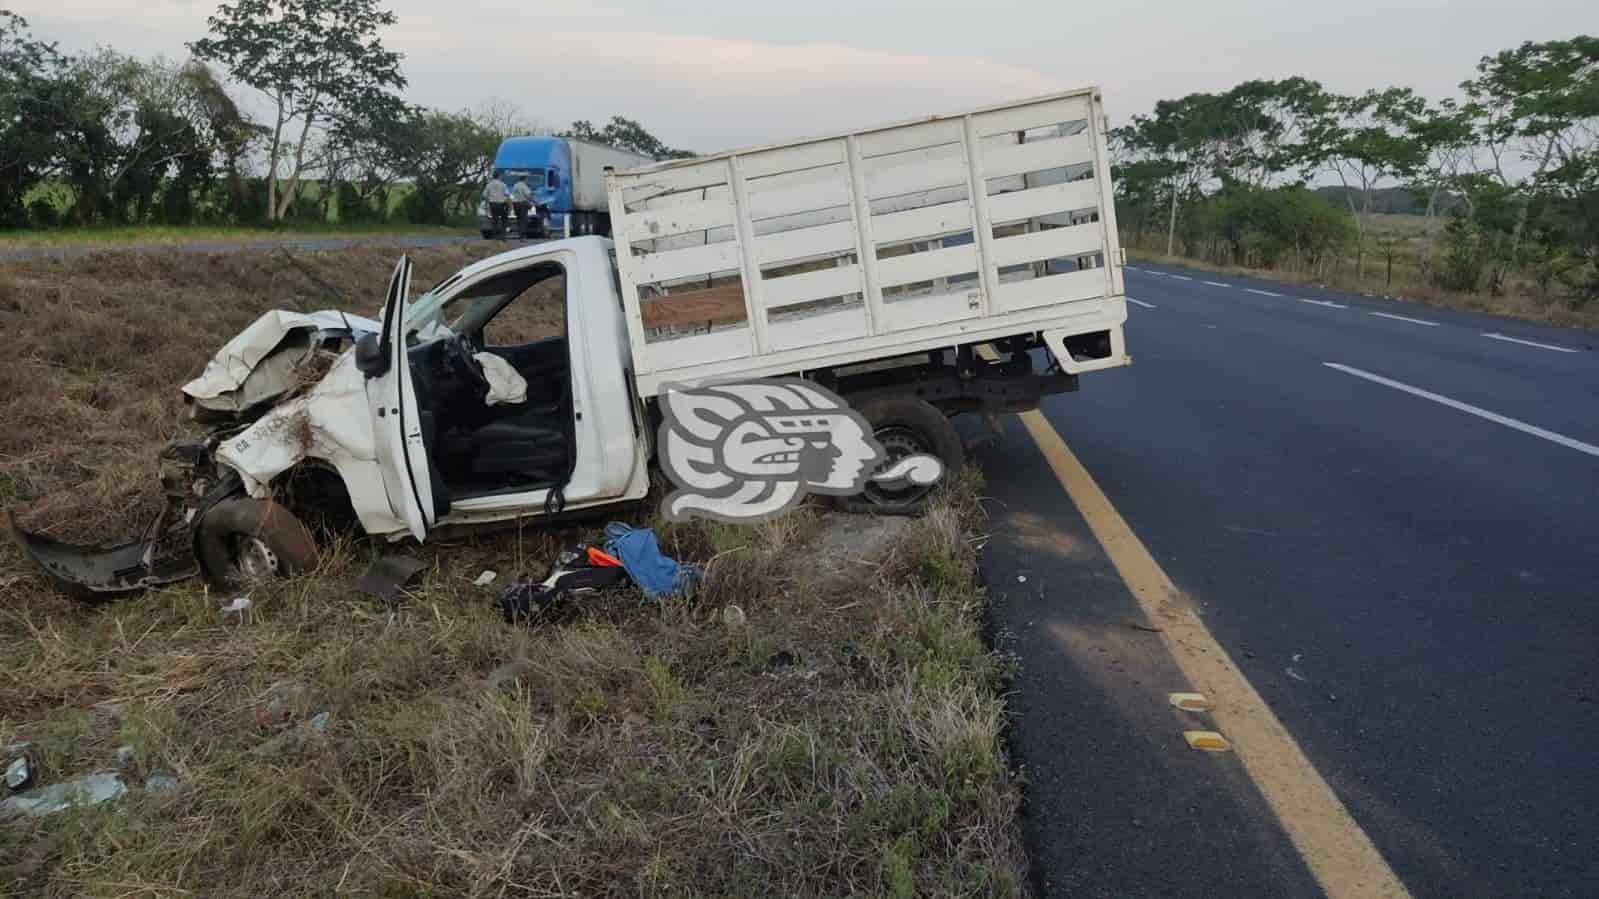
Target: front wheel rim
[(255, 560)]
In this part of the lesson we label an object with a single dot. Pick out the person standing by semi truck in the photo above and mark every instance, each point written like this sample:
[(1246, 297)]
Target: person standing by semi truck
[(498, 197), (522, 203)]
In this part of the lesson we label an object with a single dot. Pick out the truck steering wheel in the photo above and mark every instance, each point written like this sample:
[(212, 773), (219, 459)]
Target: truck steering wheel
[(458, 350)]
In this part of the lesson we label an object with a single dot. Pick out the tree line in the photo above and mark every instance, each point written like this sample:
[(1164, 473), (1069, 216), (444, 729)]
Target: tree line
[(101, 137), (1506, 175)]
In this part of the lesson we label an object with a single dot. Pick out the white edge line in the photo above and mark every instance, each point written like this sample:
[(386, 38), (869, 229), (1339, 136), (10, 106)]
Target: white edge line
[(1142, 303), (1404, 318), (1469, 409), (1329, 303), (1541, 346), (1264, 293), (1216, 283)]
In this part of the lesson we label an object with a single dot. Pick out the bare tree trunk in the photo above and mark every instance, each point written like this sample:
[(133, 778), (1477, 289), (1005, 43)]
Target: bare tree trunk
[(1431, 232), (293, 186), (272, 163), (1171, 224)]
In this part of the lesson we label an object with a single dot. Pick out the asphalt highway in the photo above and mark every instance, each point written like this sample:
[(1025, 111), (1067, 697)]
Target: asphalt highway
[(1385, 517)]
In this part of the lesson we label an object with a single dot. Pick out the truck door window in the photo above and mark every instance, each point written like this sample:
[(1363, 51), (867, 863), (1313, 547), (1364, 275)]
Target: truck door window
[(514, 308), (552, 179)]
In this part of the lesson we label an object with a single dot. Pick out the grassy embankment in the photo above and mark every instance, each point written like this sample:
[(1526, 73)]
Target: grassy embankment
[(1402, 237), (843, 741)]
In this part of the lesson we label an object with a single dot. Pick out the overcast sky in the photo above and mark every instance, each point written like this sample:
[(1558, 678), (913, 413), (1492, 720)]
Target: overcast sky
[(739, 72)]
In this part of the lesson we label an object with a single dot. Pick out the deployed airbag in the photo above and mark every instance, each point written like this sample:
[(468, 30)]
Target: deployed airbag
[(505, 384)]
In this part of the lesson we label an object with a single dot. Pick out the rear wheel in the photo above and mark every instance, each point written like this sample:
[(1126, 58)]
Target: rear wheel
[(244, 540), (906, 427)]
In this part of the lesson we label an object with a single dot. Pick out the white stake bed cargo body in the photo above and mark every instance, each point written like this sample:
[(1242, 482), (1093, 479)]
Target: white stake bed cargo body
[(919, 236)]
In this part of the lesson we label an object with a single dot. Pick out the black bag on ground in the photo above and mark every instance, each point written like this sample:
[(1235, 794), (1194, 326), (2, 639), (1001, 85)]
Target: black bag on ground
[(572, 573)]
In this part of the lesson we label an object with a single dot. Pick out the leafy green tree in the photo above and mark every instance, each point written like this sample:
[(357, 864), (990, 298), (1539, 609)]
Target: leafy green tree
[(29, 91), (1447, 136), (137, 144), (1364, 141), (1184, 135), (1537, 106), (315, 60), (1264, 128), (449, 156), (626, 134)]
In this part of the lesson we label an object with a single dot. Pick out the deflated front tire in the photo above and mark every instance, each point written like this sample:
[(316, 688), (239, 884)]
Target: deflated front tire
[(243, 540)]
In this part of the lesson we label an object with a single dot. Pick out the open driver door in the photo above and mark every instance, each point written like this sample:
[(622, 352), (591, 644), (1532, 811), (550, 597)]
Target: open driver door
[(398, 425)]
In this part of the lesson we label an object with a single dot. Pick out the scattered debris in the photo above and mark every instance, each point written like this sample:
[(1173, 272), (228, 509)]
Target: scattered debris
[(160, 782), (733, 616), (1190, 702), (657, 574), (19, 774), (90, 789), (388, 575), (1207, 740), (291, 739), (125, 755), (574, 571), (240, 604), (485, 579), (1021, 578)]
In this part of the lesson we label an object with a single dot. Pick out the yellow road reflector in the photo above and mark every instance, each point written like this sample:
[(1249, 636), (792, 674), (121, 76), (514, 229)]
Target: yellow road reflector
[(1208, 740), (1190, 702)]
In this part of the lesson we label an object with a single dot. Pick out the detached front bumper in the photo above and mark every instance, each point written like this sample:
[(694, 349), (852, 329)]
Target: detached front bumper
[(164, 553)]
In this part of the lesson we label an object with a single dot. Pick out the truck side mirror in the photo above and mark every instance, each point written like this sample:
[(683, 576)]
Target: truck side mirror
[(370, 358)]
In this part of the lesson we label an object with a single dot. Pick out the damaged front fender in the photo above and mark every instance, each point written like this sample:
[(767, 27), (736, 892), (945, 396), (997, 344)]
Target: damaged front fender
[(190, 484)]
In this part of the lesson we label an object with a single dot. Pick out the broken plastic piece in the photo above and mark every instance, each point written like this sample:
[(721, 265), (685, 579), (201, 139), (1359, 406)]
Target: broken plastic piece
[(19, 774), (485, 579), (238, 604), (1190, 702), (733, 616), (387, 576), (90, 789), (1207, 740), (160, 783)]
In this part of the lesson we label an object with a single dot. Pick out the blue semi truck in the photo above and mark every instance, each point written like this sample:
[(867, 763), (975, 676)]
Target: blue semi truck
[(568, 180)]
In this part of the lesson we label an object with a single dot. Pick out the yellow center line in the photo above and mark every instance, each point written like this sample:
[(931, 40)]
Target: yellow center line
[(1339, 854)]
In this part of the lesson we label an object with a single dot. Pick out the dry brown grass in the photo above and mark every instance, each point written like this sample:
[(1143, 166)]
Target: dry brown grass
[(844, 742)]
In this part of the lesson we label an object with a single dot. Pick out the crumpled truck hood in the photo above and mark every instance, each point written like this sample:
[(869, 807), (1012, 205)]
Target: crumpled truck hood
[(260, 363)]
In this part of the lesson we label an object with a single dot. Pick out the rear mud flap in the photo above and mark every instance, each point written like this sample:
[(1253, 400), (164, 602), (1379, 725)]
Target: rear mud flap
[(105, 571)]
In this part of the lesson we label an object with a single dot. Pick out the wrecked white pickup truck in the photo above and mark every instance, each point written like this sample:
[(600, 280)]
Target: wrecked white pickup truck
[(962, 263)]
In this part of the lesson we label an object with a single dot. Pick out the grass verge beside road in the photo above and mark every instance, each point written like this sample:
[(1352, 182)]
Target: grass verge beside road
[(1515, 305), (842, 739), (112, 237)]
